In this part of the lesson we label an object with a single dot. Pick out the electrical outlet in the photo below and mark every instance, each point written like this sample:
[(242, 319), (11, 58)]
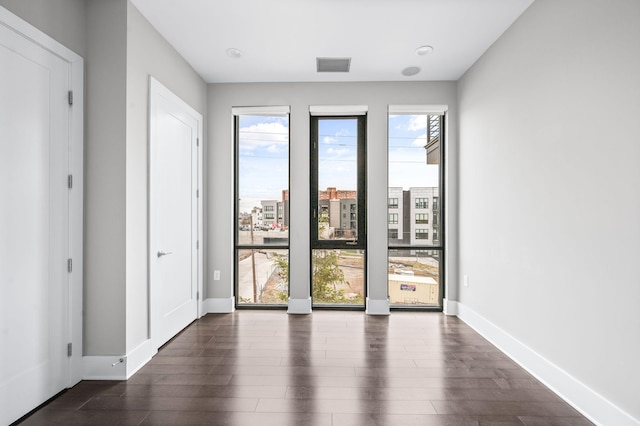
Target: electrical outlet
[(466, 280), (216, 275)]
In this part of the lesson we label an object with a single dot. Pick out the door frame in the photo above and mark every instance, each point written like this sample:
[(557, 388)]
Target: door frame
[(157, 89), (76, 170)]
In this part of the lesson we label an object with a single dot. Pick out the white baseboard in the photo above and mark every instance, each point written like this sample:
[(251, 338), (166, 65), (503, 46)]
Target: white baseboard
[(584, 399), (378, 307), (219, 305), (137, 358), (104, 367), (450, 307), (117, 367), (299, 306)]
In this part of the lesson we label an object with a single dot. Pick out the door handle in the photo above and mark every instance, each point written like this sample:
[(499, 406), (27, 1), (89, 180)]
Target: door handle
[(352, 243), (161, 253)]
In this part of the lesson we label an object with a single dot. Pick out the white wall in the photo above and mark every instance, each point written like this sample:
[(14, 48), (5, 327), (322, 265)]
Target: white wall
[(121, 50), (105, 178), (549, 199), (299, 96), (62, 20), (148, 53)]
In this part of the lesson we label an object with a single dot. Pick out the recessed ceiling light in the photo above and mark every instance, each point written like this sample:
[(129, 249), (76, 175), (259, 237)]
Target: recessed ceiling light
[(424, 50), (409, 71), (232, 52)]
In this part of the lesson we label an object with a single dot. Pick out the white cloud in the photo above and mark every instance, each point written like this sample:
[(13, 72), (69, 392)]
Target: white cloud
[(264, 135), (420, 141), (417, 122), (329, 140), (337, 151)]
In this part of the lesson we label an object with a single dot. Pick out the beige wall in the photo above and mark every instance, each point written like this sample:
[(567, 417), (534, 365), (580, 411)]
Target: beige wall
[(105, 178), (62, 20), (121, 49), (220, 160), (148, 53), (549, 199)]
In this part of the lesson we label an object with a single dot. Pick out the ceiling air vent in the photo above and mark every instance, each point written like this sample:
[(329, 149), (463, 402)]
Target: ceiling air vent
[(333, 64)]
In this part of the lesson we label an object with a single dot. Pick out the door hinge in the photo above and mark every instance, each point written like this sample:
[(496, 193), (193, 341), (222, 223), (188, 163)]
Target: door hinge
[(197, 244), (70, 181), (69, 349), (197, 141), (70, 97), (197, 295), (197, 193), (69, 265)]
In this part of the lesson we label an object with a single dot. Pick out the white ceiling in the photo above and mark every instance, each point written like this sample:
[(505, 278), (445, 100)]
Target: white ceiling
[(280, 39)]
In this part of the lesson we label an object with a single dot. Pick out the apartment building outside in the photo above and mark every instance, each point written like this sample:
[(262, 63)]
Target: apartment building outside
[(413, 216), (269, 212)]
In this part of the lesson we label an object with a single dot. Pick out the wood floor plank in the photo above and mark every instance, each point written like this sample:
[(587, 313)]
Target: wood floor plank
[(330, 368)]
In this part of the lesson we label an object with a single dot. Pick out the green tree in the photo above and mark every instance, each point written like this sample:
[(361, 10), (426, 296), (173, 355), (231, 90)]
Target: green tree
[(327, 275), (282, 262)]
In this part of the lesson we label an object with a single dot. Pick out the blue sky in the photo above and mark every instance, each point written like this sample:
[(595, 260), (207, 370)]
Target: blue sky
[(337, 154), (264, 156), (407, 157), (263, 159)]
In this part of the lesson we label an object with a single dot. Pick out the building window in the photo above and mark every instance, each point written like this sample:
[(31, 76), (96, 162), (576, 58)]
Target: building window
[(393, 234), (269, 215), (392, 203), (422, 203), (435, 203), (393, 218), (422, 234), (422, 218), (268, 208)]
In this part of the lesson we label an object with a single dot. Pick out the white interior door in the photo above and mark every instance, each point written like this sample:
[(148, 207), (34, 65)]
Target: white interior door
[(173, 235), (34, 225)]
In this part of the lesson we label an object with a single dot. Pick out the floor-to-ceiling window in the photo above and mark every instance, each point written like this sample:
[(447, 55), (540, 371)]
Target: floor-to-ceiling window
[(415, 208), (262, 206), (338, 200)]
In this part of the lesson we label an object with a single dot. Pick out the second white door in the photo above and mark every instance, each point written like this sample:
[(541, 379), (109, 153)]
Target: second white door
[(173, 233)]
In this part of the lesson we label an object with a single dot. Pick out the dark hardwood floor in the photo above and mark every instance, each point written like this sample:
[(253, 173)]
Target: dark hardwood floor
[(262, 368)]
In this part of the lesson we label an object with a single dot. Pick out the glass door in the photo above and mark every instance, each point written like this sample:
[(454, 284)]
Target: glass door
[(338, 215)]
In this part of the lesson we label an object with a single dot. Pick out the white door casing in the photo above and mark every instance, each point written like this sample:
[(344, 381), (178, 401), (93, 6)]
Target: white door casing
[(174, 213), (40, 218)]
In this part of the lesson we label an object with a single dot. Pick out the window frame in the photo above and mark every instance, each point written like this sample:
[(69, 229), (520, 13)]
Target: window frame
[(424, 234), (361, 240), (421, 218), (237, 247), (437, 207), (422, 205), (360, 243)]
